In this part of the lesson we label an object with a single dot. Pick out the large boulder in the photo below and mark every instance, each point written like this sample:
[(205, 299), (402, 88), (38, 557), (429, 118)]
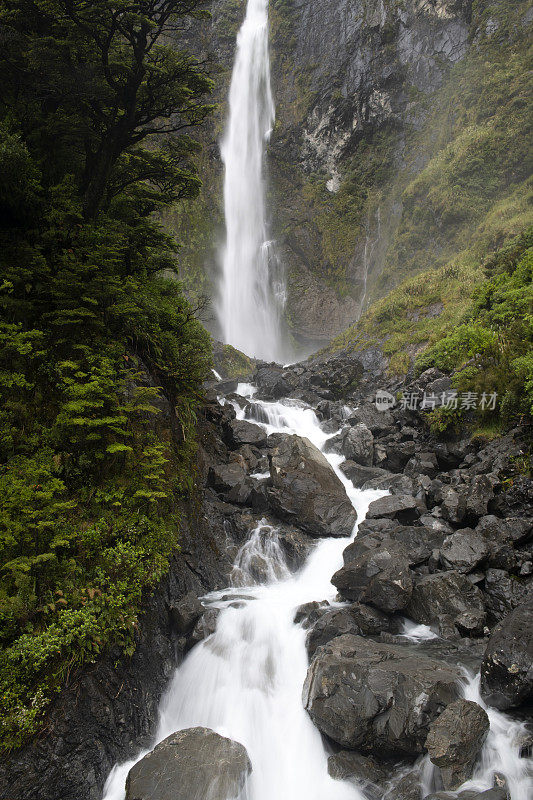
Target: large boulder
[(306, 491), (464, 550), (378, 698), (505, 592), (404, 508), (358, 444), (507, 667), (377, 421), (193, 764), (358, 474), (413, 543), (239, 432), (355, 619), (332, 623), (224, 477), (455, 740), (381, 578), (450, 601)]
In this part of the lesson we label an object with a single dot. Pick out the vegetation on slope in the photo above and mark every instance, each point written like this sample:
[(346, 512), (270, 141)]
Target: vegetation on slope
[(94, 454)]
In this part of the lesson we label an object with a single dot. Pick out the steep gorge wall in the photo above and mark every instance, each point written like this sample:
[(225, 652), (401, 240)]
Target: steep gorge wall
[(352, 81), (401, 126)]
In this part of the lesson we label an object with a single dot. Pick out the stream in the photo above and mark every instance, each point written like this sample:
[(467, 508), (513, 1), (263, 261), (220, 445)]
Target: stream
[(245, 680)]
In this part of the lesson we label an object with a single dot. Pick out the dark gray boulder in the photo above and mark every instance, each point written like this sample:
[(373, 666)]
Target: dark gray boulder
[(381, 578), (193, 764), (186, 613), (239, 432), (332, 623), (378, 422), (505, 592), (464, 550), (404, 508), (306, 490), (455, 739), (358, 444), (452, 503), (377, 698), (479, 495), (424, 463), (358, 474), (507, 667), (450, 601), (223, 477), (413, 543), (348, 764)]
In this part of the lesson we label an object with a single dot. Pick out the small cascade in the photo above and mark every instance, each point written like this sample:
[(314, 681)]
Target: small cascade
[(252, 286), (370, 246), (260, 559)]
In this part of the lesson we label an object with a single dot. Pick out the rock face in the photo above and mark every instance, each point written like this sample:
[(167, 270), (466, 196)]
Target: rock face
[(401, 507), (193, 764), (306, 491), (449, 600), (381, 578), (507, 668), (455, 740), (377, 697)]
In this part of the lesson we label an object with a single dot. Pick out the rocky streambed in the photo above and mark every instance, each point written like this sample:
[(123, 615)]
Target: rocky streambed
[(396, 664)]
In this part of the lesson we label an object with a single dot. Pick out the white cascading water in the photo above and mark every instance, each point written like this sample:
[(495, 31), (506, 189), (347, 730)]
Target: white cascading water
[(245, 680), (252, 290)]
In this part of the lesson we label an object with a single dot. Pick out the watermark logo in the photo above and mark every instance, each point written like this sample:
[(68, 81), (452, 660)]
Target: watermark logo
[(384, 400), (464, 401)]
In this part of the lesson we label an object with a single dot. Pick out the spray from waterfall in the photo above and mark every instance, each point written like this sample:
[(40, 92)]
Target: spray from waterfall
[(252, 286)]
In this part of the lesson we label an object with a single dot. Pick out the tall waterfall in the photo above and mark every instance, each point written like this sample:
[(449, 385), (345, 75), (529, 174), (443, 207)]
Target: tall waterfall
[(252, 290)]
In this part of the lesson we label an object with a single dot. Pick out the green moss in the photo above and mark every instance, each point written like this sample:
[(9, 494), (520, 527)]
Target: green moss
[(232, 364)]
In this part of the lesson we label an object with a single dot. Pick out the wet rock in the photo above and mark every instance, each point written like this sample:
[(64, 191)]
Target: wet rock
[(206, 625), (407, 787), (239, 432), (366, 771), (332, 623), (308, 613), (453, 504), (223, 477), (413, 543), (370, 620), (450, 601), (186, 613), (424, 463), (358, 444), (504, 592), (381, 578), (378, 422), (359, 474), (306, 490), (193, 763), (479, 495), (404, 508), (464, 550), (507, 667), (393, 455), (271, 383), (377, 697), (455, 740)]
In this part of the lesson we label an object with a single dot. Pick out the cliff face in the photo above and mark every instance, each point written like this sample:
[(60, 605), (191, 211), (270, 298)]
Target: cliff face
[(352, 80), (400, 133)]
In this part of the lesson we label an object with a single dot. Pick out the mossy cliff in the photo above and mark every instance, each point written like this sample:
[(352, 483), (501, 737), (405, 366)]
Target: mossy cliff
[(401, 139), (401, 142)]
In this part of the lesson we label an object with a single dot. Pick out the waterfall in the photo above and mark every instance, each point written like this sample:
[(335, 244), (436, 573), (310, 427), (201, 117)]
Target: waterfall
[(252, 288)]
